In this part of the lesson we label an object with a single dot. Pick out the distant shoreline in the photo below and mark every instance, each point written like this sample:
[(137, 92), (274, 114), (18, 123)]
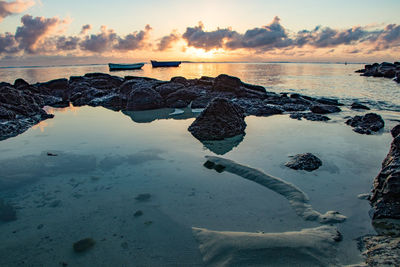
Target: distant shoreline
[(185, 62)]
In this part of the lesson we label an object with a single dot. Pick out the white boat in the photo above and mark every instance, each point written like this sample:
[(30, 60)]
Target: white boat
[(133, 66)]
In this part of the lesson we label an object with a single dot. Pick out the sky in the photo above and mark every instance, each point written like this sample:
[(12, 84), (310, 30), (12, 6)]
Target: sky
[(43, 32)]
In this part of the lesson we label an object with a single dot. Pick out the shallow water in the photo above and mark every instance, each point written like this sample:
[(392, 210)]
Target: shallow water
[(105, 159)]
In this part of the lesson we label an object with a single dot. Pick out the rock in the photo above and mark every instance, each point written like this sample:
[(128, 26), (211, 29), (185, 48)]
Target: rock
[(395, 131), (143, 98), (386, 190), (83, 245), (143, 197), (227, 83), (185, 96), (306, 161), (6, 114), (382, 250), (7, 212), (385, 69), (20, 83), (309, 116), (366, 124), (220, 119), (165, 89), (324, 109), (329, 101), (357, 105), (138, 213), (181, 80)]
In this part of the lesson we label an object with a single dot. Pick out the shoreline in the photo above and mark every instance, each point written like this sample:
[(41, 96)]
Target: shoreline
[(140, 93)]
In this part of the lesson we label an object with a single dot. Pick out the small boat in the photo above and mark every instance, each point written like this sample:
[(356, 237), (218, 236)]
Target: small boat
[(134, 66), (156, 64)]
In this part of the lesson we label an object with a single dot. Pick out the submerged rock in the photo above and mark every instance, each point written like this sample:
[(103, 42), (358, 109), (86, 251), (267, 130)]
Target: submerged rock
[(309, 116), (83, 245), (357, 105), (324, 109), (7, 212), (221, 119), (366, 124), (306, 161)]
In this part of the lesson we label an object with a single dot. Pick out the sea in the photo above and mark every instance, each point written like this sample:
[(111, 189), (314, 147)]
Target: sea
[(134, 182)]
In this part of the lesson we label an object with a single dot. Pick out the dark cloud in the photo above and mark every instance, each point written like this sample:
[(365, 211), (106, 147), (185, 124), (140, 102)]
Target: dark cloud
[(265, 38), (197, 37), (67, 43), (167, 41), (86, 28), (15, 7), (8, 44), (134, 40), (33, 30), (100, 42)]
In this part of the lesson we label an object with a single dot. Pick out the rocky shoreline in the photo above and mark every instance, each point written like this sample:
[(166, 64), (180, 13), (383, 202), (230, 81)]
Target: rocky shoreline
[(226, 101), (384, 69), (21, 104)]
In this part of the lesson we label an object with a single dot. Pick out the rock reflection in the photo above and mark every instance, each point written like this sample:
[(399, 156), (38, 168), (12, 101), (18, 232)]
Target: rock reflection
[(221, 147), (147, 116)]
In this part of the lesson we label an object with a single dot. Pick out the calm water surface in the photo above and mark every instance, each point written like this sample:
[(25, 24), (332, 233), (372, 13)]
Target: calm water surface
[(106, 159)]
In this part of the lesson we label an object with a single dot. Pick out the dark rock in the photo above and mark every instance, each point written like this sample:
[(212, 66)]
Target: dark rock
[(143, 98), (254, 87), (83, 245), (185, 95), (395, 131), (143, 197), (6, 114), (366, 124), (205, 80), (220, 119), (357, 105), (385, 69), (227, 83), (138, 213), (181, 80), (306, 161), (167, 88), (20, 83), (309, 116), (324, 109), (7, 212)]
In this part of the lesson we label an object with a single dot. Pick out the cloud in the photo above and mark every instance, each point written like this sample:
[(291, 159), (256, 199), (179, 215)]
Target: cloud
[(34, 30), (198, 38), (100, 42), (86, 28), (167, 41), (15, 7), (107, 40), (134, 40), (268, 37), (8, 44)]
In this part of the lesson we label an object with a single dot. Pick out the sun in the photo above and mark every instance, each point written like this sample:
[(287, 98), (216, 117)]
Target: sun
[(201, 53)]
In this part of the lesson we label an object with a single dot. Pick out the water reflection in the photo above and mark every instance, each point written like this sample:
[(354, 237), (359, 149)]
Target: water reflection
[(221, 147), (146, 116)]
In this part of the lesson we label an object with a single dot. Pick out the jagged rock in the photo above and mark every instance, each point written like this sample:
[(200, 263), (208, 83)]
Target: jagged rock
[(227, 83), (144, 98), (183, 96), (329, 101), (386, 191), (366, 124), (382, 250), (165, 89), (385, 69), (357, 105), (306, 161), (220, 119), (324, 109), (395, 131), (309, 116)]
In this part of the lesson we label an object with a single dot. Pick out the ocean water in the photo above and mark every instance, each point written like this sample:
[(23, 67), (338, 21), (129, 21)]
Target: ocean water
[(110, 165)]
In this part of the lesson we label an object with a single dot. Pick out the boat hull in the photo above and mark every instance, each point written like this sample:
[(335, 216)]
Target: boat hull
[(157, 64), (135, 66)]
